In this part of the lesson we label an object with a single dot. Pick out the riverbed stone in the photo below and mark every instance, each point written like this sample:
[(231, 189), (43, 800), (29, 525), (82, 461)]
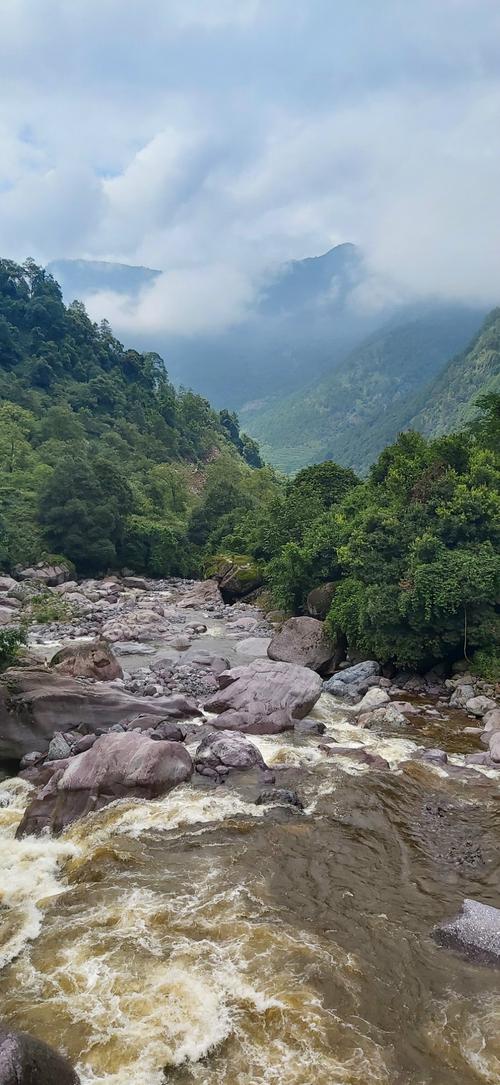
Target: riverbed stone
[(349, 682), (479, 706), (374, 698), (223, 751), (491, 721), (127, 765), (7, 583), (303, 641), (475, 931), (95, 660), (25, 1060), (204, 594), (264, 697)]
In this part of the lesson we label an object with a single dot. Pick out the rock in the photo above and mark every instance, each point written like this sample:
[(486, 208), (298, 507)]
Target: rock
[(348, 683), (461, 694), (479, 706), (406, 707), (494, 745), (181, 642), (49, 575), (7, 583), (320, 599), (237, 575), (279, 795), (36, 702), (7, 615), (472, 731), (264, 697), (10, 602), (87, 661), (303, 641), (356, 754), (439, 757), (58, 747), (214, 664), (69, 586), (223, 751), (491, 721), (128, 765), (25, 1060), (374, 698), (205, 594), (385, 716), (168, 731), (135, 582), (475, 930), (254, 647), (309, 727), (478, 758)]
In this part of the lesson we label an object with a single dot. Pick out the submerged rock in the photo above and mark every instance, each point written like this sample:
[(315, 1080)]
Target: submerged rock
[(127, 765), (475, 931), (282, 796), (264, 697), (303, 641), (24, 1060)]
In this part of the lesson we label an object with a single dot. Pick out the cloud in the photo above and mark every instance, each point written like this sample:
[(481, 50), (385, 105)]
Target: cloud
[(216, 139)]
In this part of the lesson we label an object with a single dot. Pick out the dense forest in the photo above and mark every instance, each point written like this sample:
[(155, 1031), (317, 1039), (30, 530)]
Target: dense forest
[(103, 462)]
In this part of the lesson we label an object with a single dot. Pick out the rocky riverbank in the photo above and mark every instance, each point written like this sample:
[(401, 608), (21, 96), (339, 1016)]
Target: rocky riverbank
[(155, 689)]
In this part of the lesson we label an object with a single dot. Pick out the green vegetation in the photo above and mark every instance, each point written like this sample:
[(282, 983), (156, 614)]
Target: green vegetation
[(100, 458), (11, 640), (103, 462)]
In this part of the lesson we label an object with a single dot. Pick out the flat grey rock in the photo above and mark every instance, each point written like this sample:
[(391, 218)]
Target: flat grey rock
[(475, 931)]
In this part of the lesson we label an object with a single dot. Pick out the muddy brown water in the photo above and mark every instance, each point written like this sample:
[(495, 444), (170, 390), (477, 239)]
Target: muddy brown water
[(204, 940)]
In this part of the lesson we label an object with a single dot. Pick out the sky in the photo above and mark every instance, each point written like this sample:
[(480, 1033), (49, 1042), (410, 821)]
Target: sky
[(215, 139)]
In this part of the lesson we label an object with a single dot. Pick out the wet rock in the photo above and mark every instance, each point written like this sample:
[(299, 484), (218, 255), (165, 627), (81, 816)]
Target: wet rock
[(475, 931), (309, 727), (385, 717), (348, 683), (320, 599), (223, 751), (58, 747), (434, 755), (374, 698), (36, 702), (363, 756), (303, 641), (264, 697), (472, 731), (128, 765), (168, 731), (281, 796), (479, 706), (24, 1060), (478, 759), (205, 594), (88, 661)]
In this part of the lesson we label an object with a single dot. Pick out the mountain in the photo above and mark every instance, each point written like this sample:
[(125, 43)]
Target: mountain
[(80, 278), (349, 415), (304, 319)]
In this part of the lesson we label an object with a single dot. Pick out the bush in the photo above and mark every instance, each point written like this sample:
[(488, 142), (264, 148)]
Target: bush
[(46, 608), (10, 643)]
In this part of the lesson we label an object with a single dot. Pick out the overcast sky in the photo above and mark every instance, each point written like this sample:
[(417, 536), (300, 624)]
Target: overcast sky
[(215, 138)]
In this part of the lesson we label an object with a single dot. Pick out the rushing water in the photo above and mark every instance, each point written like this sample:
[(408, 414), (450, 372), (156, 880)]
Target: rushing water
[(204, 940)]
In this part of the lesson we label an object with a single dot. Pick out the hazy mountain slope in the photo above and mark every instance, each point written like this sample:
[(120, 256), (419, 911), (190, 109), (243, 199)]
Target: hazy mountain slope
[(449, 401), (352, 413), (304, 320)]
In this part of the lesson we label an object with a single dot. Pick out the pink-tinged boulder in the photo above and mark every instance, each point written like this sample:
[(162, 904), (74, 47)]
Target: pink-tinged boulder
[(264, 697), (303, 641), (221, 752), (204, 594), (127, 765), (25, 1060), (35, 702), (7, 583), (87, 661)]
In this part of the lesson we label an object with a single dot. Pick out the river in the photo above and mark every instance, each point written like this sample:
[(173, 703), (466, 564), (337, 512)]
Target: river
[(205, 940)]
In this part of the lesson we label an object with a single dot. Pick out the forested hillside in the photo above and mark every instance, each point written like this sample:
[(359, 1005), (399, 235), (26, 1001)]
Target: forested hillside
[(100, 458), (349, 415)]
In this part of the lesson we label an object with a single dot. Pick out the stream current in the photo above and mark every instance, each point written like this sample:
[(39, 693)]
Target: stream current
[(205, 940)]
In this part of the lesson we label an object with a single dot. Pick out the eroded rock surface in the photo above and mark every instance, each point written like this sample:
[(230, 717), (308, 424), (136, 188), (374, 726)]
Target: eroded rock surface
[(303, 641), (264, 697), (24, 1060)]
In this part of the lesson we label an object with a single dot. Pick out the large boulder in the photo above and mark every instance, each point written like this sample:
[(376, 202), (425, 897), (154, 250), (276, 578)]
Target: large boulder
[(204, 594), (264, 697), (8, 616), (303, 641), (320, 599), (87, 661), (46, 573), (475, 931), (25, 1060), (35, 702), (221, 752), (237, 575), (480, 706), (126, 765), (7, 583), (351, 682), (374, 698)]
